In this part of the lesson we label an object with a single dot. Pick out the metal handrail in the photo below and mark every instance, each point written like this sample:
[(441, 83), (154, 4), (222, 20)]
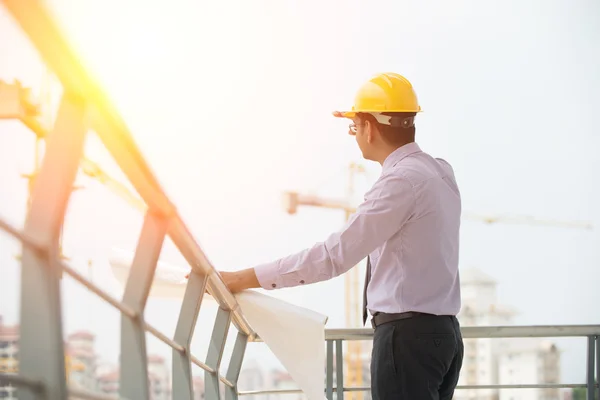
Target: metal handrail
[(85, 105), (36, 385), (459, 387), (114, 133), (338, 336), (481, 332), (18, 380)]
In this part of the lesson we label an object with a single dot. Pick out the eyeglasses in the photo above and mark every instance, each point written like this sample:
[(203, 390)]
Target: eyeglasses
[(353, 128)]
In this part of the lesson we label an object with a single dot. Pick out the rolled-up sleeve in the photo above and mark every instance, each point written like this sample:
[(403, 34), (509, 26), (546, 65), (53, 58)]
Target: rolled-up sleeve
[(387, 206)]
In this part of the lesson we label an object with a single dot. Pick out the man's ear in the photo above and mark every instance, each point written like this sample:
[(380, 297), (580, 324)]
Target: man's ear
[(370, 131)]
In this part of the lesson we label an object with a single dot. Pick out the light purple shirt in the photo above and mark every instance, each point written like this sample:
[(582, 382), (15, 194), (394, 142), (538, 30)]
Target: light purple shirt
[(409, 225)]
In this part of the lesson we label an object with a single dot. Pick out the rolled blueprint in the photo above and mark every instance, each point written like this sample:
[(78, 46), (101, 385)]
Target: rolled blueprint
[(294, 334)]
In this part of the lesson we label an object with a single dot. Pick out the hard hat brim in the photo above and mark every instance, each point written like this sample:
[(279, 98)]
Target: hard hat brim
[(344, 114), (352, 114)]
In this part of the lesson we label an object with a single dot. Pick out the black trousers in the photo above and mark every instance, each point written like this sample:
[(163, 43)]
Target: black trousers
[(416, 358)]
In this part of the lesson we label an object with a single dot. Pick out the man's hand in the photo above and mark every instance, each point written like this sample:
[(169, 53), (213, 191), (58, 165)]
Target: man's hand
[(239, 280)]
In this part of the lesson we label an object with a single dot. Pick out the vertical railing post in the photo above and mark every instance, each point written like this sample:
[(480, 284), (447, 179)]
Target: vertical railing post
[(41, 354), (339, 374), (235, 365), (598, 365), (591, 387), (215, 353), (329, 370), (182, 365), (134, 382)]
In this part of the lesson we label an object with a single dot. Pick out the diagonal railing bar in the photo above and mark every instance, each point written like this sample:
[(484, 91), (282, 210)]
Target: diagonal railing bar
[(30, 242), (22, 237), (202, 365), (41, 311), (235, 365), (215, 353), (43, 263), (55, 50), (125, 310), (164, 338), (34, 385), (188, 315), (12, 231), (134, 379)]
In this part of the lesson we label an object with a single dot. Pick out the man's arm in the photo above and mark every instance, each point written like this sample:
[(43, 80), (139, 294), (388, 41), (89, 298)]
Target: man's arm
[(387, 206)]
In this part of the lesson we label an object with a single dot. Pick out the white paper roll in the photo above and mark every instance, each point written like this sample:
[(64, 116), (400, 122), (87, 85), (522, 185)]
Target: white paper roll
[(295, 335)]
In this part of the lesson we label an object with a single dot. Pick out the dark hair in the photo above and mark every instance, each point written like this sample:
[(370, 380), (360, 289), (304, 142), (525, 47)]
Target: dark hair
[(402, 128)]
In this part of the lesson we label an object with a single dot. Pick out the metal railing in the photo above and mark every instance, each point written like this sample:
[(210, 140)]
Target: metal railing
[(84, 106), (336, 338), (42, 373)]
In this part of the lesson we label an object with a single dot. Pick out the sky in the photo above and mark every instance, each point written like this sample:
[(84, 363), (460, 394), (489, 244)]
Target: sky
[(230, 102)]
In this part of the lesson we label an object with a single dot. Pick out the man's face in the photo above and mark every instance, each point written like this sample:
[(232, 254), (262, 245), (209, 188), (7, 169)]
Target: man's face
[(361, 130)]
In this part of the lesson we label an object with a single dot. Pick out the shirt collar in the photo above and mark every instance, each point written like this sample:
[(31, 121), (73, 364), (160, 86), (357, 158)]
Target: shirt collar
[(400, 153)]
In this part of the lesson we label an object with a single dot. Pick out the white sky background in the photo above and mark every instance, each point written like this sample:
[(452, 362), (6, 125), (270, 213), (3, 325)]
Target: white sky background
[(231, 104)]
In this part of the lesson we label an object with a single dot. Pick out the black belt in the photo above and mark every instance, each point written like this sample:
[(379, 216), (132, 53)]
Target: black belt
[(383, 318)]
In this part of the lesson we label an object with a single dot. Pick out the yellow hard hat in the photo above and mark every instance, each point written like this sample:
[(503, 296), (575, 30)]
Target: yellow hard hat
[(385, 92)]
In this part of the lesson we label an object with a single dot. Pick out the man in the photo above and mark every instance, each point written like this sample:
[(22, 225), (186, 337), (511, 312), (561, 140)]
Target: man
[(408, 227)]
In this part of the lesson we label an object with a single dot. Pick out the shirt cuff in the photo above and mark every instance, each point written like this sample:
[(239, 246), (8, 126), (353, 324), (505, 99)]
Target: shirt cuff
[(268, 275)]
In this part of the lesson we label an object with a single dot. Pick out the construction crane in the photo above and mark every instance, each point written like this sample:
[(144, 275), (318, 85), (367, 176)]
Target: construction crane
[(16, 103), (292, 200), (353, 309), (353, 294), (93, 170), (72, 365)]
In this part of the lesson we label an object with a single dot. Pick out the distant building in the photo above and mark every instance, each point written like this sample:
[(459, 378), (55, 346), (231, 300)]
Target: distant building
[(81, 360), (252, 377), (158, 377), (480, 308), (281, 380), (526, 361), (9, 351), (108, 382), (488, 361)]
